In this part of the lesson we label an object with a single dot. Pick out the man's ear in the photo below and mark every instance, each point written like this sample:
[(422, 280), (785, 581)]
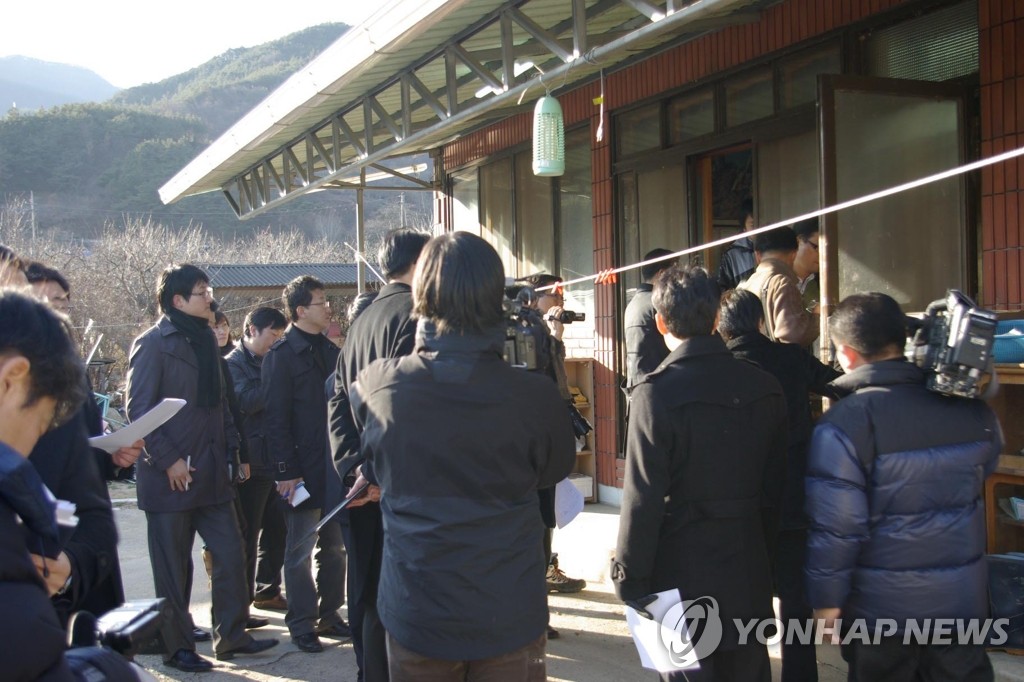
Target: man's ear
[(14, 370), (177, 301), (849, 358), (660, 322)]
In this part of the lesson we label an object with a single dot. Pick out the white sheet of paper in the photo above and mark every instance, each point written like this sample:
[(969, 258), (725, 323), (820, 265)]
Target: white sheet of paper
[(568, 502), (647, 635), (140, 428)]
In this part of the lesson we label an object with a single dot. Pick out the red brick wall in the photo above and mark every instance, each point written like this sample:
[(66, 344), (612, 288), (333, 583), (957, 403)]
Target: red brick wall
[(1001, 43), (780, 26)]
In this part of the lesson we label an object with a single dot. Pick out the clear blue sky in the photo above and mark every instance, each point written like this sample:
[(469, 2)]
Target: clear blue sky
[(130, 42)]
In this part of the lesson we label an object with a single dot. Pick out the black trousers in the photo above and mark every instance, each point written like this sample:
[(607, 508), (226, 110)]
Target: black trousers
[(747, 663), (893, 661), (263, 535)]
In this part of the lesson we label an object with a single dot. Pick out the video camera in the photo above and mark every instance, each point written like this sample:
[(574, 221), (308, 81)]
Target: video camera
[(527, 339), (953, 343), (102, 649)]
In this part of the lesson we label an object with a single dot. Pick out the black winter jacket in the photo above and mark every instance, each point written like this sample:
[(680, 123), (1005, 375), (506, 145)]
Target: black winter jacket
[(705, 463), (244, 370), (645, 346), (737, 263), (799, 373), (894, 487), (33, 640), (295, 411), (460, 442)]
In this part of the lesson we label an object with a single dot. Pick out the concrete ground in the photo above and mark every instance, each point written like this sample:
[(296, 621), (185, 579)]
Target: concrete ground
[(595, 644)]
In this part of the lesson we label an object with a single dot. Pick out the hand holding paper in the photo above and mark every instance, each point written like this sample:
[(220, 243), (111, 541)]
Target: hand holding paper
[(139, 428)]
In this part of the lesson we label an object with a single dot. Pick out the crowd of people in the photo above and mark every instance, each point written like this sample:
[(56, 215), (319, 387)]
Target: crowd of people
[(447, 457)]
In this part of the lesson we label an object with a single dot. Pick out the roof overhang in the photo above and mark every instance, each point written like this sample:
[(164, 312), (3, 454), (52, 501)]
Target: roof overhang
[(418, 74)]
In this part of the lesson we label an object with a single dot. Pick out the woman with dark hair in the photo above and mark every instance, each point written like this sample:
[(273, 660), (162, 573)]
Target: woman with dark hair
[(222, 330), (454, 422)]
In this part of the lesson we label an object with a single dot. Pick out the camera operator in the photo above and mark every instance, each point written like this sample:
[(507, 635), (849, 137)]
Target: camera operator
[(894, 485), (459, 442), (550, 304)]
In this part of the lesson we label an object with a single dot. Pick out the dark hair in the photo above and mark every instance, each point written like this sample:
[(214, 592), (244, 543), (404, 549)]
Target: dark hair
[(360, 303), (31, 329), (219, 317), (9, 259), (36, 273), (746, 210), (540, 279), (299, 292), (264, 317), (687, 298), (400, 250), (805, 228), (648, 272), (870, 323), (459, 284), (779, 239), (739, 312), (178, 280)]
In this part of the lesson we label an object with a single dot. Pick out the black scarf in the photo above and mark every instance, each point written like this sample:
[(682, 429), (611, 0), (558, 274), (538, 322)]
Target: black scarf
[(204, 344)]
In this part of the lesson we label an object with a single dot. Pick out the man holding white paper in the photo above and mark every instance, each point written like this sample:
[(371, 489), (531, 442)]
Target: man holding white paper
[(295, 419), (183, 480), (705, 466)]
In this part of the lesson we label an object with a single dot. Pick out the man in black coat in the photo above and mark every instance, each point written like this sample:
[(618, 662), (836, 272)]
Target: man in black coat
[(705, 461), (740, 319), (645, 346), (384, 330), (295, 422)]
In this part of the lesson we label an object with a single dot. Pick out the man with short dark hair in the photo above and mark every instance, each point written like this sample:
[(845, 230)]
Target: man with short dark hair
[(462, 593), (295, 423), (384, 330), (786, 318), (41, 385), (740, 321), (264, 524), (645, 346), (705, 463), (738, 260), (184, 484), (894, 487)]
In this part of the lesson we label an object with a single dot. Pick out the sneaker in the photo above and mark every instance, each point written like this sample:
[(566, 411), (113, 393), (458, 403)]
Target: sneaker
[(560, 582)]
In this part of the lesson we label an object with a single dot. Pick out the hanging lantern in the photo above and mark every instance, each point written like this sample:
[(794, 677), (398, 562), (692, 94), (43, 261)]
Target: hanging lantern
[(548, 138)]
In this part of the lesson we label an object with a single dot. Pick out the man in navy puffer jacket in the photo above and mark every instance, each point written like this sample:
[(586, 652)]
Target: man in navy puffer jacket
[(894, 487)]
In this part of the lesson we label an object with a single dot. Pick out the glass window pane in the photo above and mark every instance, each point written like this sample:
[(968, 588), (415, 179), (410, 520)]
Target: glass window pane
[(749, 97), (787, 177), (535, 221), (639, 130), (576, 230), (496, 211), (662, 209), (691, 116), (909, 245), (466, 201), (800, 75)]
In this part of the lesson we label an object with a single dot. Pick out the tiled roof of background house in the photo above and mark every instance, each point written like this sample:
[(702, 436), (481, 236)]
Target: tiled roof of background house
[(276, 275)]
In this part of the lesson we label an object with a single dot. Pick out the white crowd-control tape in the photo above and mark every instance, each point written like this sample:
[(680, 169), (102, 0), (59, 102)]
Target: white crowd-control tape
[(952, 172)]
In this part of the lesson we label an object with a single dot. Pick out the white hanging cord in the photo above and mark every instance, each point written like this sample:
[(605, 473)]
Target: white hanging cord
[(952, 172)]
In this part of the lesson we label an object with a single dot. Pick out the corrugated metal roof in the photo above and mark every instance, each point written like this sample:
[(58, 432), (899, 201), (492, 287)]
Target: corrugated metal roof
[(320, 126), (256, 275)]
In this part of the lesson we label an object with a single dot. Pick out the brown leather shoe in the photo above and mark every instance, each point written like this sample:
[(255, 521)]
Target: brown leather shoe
[(275, 603)]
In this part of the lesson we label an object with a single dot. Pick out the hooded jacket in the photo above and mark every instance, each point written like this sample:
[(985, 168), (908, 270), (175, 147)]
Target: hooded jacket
[(894, 486)]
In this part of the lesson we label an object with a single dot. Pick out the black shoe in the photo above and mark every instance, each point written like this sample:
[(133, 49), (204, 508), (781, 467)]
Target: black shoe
[(553, 633), (189, 661), (200, 635), (254, 646), (256, 622), (309, 643), (340, 630)]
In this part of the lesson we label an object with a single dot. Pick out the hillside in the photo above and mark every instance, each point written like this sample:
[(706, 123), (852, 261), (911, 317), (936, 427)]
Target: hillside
[(92, 163), (22, 82)]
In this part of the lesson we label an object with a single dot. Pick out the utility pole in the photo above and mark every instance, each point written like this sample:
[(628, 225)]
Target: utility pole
[(32, 210), (401, 209)]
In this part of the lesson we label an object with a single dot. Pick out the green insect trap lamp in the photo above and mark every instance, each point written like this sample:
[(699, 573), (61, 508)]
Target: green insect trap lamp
[(548, 138)]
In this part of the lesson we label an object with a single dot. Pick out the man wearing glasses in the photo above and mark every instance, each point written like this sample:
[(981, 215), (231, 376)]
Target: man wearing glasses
[(295, 418), (806, 264), (183, 479), (786, 318)]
